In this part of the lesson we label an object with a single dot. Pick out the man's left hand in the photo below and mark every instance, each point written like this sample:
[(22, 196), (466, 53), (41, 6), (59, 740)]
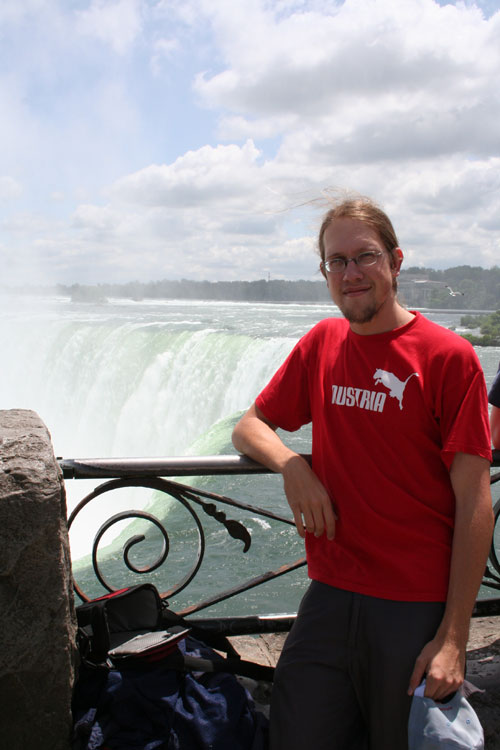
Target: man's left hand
[(443, 666)]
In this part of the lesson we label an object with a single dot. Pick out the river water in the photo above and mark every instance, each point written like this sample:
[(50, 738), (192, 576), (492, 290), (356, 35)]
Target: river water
[(166, 378)]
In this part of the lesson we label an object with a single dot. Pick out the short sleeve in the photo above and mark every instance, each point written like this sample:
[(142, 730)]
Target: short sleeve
[(285, 400), (465, 425)]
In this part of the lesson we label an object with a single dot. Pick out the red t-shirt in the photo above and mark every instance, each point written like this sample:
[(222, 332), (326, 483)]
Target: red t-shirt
[(388, 412)]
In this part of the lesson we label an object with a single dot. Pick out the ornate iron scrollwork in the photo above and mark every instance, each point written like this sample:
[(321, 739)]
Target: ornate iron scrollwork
[(187, 497)]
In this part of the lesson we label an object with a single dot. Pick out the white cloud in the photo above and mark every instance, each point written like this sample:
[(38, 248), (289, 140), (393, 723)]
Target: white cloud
[(451, 216), (9, 188), (398, 100), (365, 66), (209, 175), (210, 214), (238, 128), (117, 23), (163, 51), (15, 13)]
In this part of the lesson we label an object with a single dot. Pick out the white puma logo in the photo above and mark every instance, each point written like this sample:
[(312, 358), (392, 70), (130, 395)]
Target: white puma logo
[(395, 385)]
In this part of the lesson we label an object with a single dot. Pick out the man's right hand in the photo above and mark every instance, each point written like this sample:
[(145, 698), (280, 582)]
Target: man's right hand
[(312, 508), (310, 503)]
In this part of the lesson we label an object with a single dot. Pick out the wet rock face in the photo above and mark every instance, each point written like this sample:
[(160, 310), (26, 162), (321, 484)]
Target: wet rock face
[(37, 624)]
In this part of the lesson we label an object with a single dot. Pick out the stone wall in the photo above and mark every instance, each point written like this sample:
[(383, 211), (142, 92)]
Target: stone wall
[(37, 623)]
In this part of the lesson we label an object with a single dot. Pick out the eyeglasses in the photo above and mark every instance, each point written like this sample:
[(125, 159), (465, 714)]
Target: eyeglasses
[(363, 260)]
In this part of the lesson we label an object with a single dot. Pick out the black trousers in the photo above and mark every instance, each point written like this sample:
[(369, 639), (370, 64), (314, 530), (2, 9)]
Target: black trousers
[(341, 682)]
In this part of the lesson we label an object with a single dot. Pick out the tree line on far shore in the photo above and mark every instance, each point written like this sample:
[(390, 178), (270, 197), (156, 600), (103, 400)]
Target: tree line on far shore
[(275, 290), (459, 288)]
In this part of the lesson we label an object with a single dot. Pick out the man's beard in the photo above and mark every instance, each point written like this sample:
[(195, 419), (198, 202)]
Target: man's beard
[(366, 314), (360, 316)]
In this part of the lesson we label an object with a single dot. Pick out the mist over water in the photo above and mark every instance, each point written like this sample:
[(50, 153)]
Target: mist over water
[(162, 379)]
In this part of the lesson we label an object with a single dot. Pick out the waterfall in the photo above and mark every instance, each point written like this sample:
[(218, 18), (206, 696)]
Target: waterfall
[(113, 385)]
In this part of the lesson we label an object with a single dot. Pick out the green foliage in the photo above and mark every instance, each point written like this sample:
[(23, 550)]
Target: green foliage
[(489, 326), (472, 321)]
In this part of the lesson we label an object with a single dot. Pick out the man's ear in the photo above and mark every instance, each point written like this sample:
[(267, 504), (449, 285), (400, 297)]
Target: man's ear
[(323, 272), (396, 260)]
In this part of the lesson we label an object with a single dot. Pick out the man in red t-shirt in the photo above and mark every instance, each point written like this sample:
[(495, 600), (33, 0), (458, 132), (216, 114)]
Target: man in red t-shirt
[(396, 509)]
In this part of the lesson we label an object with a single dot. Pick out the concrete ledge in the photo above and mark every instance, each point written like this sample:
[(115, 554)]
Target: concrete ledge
[(36, 603)]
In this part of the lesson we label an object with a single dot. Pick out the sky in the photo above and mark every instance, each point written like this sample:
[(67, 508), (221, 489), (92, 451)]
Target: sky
[(201, 139)]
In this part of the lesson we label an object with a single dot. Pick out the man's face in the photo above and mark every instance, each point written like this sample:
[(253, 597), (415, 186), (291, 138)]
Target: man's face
[(364, 295)]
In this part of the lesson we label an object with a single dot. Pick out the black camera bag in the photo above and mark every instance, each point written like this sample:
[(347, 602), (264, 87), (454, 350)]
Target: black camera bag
[(110, 620)]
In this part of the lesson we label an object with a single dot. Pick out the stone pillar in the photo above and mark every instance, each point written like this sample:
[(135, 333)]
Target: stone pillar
[(37, 622)]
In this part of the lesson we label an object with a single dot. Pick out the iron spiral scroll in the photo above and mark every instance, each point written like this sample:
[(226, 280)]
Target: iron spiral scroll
[(191, 500)]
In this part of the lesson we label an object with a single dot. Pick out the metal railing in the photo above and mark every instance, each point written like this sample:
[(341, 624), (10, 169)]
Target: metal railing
[(154, 473)]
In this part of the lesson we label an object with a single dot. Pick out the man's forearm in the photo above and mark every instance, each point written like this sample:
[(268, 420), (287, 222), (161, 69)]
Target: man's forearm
[(256, 437), (471, 544), (309, 501), (442, 660)]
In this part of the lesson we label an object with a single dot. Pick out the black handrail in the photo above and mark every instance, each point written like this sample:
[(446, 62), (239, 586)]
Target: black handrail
[(173, 466)]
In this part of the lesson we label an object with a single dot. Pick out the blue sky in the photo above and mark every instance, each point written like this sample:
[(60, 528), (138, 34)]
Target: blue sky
[(150, 139)]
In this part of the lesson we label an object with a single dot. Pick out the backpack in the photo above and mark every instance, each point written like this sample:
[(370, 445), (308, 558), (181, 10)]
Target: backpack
[(145, 681)]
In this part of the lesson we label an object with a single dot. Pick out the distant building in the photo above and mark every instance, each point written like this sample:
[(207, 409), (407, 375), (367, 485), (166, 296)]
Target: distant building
[(415, 289)]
